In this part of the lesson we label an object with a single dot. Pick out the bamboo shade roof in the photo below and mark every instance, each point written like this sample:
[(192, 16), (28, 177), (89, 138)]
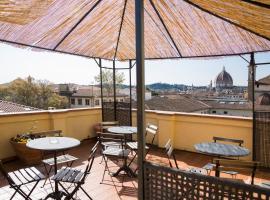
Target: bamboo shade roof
[(106, 28)]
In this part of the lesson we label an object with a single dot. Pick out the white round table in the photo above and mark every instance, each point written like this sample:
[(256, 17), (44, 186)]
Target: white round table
[(221, 149), (54, 144), (123, 129)]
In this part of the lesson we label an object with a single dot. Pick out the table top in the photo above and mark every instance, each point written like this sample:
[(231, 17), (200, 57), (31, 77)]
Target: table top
[(123, 129), (221, 149), (53, 143)]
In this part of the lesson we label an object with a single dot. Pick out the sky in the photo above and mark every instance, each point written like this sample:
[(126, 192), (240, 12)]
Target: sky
[(61, 68)]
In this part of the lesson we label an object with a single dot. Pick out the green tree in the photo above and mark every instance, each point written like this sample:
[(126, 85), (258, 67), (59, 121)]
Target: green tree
[(107, 81), (32, 93)]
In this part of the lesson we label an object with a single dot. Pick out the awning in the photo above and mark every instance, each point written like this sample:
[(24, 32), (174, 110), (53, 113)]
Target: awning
[(106, 28)]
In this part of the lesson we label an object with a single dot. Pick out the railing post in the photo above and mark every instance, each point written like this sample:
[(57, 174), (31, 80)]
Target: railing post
[(101, 87), (130, 93), (139, 22), (114, 90), (252, 71)]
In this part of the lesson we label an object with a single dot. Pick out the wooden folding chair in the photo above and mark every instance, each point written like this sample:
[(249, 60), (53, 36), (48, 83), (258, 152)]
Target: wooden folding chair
[(75, 176), (105, 125), (114, 152), (48, 160), (170, 155), (222, 165), (150, 130), (22, 177)]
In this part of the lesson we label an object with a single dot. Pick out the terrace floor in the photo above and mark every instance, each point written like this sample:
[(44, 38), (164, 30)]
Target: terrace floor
[(113, 188)]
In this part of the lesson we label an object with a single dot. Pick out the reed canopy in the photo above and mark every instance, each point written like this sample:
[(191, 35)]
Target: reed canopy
[(106, 28)]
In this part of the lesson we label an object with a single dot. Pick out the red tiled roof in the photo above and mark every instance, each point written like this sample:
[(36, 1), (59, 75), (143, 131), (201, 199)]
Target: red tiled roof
[(9, 107), (179, 104)]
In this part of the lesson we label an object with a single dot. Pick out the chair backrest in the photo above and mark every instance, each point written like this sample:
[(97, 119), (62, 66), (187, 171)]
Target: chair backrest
[(237, 141), (50, 133), (105, 125), (170, 154), (91, 159), (112, 137), (151, 129), (233, 165), (5, 174)]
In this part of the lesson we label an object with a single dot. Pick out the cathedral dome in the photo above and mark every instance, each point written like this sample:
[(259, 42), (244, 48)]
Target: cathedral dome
[(263, 99), (224, 80)]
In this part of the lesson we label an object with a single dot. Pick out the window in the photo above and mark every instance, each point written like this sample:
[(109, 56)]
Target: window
[(97, 102), (87, 102), (72, 101), (225, 112), (79, 101), (214, 111), (121, 100)]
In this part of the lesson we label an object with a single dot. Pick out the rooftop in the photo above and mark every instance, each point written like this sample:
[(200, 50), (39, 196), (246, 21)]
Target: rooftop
[(10, 107), (112, 188), (177, 104)]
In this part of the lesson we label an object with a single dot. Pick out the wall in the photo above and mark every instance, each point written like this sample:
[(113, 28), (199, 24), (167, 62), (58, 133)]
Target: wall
[(233, 112), (184, 129), (187, 129), (77, 123)]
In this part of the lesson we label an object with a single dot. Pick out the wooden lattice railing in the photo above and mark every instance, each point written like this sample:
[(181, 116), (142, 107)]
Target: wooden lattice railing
[(163, 183), (262, 138)]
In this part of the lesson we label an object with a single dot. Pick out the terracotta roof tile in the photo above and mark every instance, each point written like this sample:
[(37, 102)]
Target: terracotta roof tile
[(10, 107)]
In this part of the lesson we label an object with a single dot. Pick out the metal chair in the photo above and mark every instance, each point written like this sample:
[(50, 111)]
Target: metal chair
[(75, 176), (210, 166), (222, 165), (48, 160), (150, 129), (114, 152), (170, 155), (22, 177)]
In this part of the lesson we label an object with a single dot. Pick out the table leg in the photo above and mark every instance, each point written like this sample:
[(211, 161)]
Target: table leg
[(56, 194)]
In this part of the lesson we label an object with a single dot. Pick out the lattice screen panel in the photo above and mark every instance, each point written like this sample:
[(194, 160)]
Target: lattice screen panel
[(163, 183), (262, 137)]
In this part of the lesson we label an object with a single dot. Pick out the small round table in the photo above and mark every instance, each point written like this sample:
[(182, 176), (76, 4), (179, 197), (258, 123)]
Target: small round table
[(125, 130), (54, 144), (221, 149)]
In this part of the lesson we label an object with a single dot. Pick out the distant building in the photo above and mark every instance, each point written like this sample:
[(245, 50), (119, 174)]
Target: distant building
[(262, 91), (90, 97), (126, 91), (10, 107), (223, 80)]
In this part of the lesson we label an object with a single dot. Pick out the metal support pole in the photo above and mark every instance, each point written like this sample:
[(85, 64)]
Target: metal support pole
[(130, 92), (139, 22), (114, 91), (252, 65), (101, 87)]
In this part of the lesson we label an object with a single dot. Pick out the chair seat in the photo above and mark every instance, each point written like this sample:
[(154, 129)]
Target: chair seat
[(197, 170), (60, 159), (25, 176), (233, 179), (70, 175), (265, 185), (209, 166), (134, 145), (108, 144), (113, 151), (229, 172)]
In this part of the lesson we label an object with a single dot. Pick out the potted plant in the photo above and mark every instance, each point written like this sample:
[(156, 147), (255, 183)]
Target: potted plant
[(27, 155)]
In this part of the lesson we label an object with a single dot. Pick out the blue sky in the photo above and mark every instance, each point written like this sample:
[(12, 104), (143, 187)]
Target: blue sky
[(60, 68)]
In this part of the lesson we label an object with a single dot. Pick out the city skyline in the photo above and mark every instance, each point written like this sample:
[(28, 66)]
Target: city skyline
[(60, 68)]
